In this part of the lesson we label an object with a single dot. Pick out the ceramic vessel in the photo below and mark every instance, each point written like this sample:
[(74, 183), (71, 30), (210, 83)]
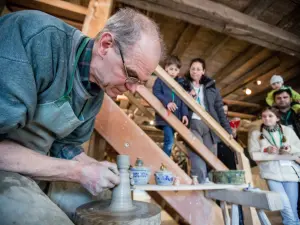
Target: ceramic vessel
[(140, 174), (229, 177), (164, 177)]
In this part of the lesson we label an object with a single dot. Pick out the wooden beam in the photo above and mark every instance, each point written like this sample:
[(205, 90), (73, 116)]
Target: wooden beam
[(251, 75), (213, 50), (241, 103), (57, 8), (137, 103), (259, 199), (188, 187), (221, 18), (241, 115), (257, 7), (181, 147), (264, 88), (184, 132), (127, 138), (237, 62), (290, 20), (98, 12), (184, 40)]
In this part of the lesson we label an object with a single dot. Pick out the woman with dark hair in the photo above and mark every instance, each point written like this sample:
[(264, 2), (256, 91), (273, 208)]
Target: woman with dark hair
[(204, 91), (282, 176)]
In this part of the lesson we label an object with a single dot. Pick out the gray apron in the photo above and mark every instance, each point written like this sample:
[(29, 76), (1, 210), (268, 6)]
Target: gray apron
[(22, 202), (52, 120)]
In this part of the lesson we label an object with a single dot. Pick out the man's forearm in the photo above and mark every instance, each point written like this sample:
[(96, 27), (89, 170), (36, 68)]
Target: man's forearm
[(16, 158)]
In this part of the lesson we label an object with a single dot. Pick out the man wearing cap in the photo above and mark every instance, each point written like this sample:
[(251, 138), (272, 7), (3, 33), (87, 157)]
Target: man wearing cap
[(276, 83)]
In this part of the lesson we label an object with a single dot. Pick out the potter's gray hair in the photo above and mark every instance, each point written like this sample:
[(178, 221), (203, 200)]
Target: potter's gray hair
[(127, 27)]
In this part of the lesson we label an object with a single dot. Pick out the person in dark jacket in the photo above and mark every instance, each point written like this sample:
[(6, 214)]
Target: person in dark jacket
[(204, 91), (171, 102)]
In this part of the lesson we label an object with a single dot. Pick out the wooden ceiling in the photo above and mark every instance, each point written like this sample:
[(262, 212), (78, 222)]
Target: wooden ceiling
[(241, 40)]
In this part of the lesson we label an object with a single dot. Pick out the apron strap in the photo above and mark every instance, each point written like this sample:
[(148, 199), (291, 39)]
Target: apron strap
[(78, 54)]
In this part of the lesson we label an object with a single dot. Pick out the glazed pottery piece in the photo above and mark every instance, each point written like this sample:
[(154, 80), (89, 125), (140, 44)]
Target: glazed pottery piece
[(164, 177), (229, 177), (140, 174), (195, 180)]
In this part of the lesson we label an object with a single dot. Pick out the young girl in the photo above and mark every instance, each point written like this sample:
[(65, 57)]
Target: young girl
[(282, 175)]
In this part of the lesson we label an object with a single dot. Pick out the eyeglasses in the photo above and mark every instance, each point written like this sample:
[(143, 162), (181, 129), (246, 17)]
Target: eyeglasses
[(129, 79)]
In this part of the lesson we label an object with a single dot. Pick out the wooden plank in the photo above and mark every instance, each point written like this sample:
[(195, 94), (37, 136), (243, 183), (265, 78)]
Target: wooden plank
[(234, 23), (188, 187), (137, 103), (251, 75), (185, 133), (263, 217), (225, 212), (181, 147), (98, 12), (241, 103), (260, 156), (57, 8), (213, 50), (184, 39), (127, 138), (258, 199)]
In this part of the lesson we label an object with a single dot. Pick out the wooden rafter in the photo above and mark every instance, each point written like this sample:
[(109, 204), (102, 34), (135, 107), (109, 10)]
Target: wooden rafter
[(184, 40), (224, 19), (241, 103), (251, 76), (61, 9)]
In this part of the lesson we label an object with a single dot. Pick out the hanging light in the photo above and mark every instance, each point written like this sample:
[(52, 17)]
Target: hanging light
[(151, 122), (258, 82), (247, 91)]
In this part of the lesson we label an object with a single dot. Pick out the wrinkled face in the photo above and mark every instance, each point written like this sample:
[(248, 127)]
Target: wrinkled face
[(276, 85), (172, 70), (196, 71), (269, 118), (140, 61), (225, 108), (283, 100)]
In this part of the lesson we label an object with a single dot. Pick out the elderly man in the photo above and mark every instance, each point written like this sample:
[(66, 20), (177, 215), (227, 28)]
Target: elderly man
[(51, 87), (282, 99)]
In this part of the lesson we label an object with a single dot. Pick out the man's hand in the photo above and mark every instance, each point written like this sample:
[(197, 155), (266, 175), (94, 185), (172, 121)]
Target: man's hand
[(185, 120), (172, 106), (96, 177)]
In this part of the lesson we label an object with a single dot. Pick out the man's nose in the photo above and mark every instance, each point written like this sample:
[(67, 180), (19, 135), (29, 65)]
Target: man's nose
[(131, 87)]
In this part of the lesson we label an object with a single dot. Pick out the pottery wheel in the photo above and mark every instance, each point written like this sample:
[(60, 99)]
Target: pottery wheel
[(98, 213)]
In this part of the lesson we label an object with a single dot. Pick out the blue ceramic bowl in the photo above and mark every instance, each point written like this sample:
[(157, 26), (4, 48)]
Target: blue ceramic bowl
[(164, 178), (141, 176)]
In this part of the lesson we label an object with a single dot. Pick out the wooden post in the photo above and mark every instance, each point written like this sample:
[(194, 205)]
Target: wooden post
[(98, 12), (225, 212)]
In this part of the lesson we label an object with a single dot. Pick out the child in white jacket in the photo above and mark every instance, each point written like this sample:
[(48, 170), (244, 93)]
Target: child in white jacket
[(282, 175)]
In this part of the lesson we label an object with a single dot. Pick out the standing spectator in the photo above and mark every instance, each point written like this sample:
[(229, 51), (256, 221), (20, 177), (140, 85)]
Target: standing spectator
[(282, 175), (171, 102), (204, 91)]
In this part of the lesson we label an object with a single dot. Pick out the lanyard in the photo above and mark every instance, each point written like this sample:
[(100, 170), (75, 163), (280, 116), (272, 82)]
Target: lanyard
[(287, 117), (198, 95), (173, 96), (273, 140)]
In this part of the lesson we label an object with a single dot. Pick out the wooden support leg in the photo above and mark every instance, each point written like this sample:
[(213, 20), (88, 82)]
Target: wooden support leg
[(225, 212), (235, 215), (263, 217)]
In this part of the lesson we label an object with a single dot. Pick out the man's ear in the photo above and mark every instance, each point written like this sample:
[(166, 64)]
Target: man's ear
[(104, 43)]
